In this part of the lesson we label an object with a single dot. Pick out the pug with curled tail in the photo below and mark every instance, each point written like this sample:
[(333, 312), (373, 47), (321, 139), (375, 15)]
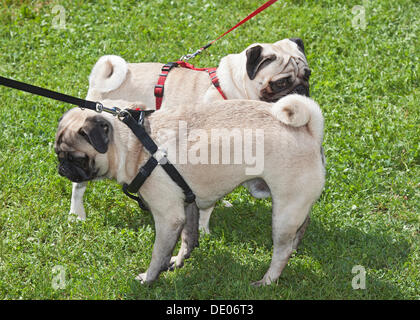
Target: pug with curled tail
[(91, 146), (263, 71)]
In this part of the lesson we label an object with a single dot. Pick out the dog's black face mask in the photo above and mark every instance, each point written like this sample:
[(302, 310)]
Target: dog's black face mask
[(285, 86), (76, 169), (77, 166), (297, 83)]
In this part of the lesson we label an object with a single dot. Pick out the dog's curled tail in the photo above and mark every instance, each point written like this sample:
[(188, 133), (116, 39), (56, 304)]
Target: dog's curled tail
[(108, 73), (297, 111)]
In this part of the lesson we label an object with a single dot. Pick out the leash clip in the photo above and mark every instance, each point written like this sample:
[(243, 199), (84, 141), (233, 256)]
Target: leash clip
[(191, 55), (114, 111)]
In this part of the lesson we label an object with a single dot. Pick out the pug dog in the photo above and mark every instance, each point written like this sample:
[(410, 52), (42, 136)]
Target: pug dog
[(91, 146), (262, 71)]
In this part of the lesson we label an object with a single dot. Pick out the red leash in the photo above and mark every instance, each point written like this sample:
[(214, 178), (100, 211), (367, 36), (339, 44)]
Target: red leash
[(160, 86), (253, 14)]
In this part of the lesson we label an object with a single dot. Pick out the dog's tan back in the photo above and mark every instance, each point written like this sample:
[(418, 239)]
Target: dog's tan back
[(292, 152)]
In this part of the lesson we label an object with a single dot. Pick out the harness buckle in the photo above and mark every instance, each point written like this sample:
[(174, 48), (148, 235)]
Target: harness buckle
[(159, 90), (167, 67), (189, 197), (161, 156)]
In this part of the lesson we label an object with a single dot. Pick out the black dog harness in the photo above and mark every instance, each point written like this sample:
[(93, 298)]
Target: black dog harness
[(129, 116), (134, 119)]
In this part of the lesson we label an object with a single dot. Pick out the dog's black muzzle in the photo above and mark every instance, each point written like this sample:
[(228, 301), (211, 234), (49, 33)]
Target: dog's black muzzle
[(73, 172), (301, 89)]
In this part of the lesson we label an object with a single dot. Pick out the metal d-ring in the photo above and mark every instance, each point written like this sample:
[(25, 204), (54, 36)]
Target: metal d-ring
[(122, 114), (99, 107)]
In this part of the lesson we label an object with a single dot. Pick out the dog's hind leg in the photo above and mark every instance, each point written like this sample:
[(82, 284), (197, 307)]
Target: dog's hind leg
[(287, 217), (189, 236), (300, 233), (76, 206)]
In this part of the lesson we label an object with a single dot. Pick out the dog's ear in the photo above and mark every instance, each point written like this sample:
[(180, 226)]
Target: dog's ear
[(299, 43), (96, 130), (253, 59)]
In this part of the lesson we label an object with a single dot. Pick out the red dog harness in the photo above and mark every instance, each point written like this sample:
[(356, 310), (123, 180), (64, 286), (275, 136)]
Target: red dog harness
[(159, 87)]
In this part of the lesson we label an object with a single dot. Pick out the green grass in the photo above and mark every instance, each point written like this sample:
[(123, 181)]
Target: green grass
[(366, 81)]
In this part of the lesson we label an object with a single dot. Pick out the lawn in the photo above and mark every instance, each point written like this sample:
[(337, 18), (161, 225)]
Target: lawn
[(365, 78)]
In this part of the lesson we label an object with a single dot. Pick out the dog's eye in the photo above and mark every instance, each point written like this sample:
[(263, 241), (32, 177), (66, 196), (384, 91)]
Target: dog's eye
[(283, 82), (82, 133)]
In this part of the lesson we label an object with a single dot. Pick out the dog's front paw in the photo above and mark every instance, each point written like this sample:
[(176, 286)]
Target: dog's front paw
[(75, 217), (141, 278), (78, 212)]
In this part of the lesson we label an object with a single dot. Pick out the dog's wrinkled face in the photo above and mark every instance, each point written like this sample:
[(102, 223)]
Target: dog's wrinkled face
[(81, 145), (278, 69)]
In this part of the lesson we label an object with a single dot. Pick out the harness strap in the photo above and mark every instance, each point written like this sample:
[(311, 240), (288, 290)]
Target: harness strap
[(179, 180), (210, 71), (139, 200), (145, 171), (159, 87), (138, 181), (143, 174), (215, 81), (139, 131)]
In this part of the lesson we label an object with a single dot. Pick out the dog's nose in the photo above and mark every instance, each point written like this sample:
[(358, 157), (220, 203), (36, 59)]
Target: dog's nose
[(62, 170)]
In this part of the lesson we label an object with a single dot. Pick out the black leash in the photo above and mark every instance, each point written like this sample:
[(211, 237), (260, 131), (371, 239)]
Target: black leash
[(134, 119), (84, 104)]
